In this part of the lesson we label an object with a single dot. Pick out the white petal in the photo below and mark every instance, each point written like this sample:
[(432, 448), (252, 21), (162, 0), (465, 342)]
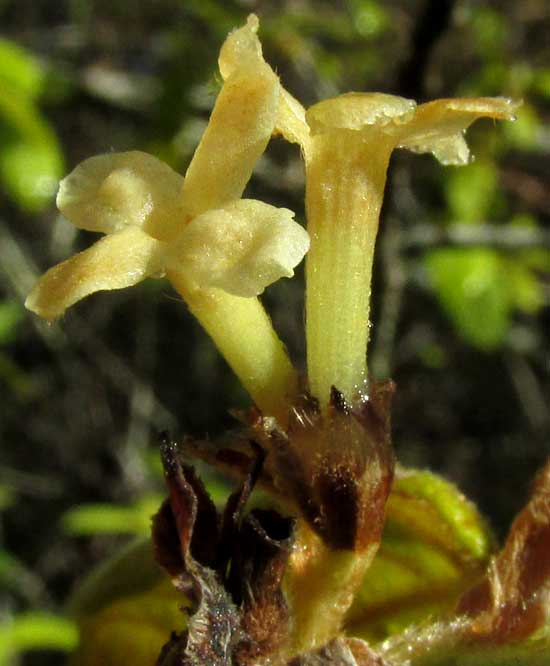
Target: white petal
[(112, 191), (119, 260), (241, 248)]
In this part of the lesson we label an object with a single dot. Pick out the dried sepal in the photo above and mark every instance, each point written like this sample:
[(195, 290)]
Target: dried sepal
[(110, 192), (335, 463), (240, 248), (119, 260), (513, 602), (231, 569)]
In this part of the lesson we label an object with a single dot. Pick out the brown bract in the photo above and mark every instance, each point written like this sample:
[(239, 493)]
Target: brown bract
[(513, 601), (504, 619), (335, 466), (229, 567)]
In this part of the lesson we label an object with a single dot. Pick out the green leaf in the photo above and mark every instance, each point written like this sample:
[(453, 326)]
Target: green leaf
[(488, 31), (126, 610), (31, 172), (131, 630), (474, 290), (20, 71), (435, 544), (470, 191), (527, 290), (369, 17), (89, 519), (31, 162), (11, 313), (524, 133), (36, 631)]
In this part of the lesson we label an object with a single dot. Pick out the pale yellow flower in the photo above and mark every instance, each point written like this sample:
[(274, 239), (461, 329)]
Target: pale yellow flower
[(347, 154), (219, 251)]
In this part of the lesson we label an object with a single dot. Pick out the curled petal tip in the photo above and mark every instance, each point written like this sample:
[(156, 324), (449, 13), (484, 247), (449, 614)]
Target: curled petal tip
[(438, 127), (253, 22), (241, 49)]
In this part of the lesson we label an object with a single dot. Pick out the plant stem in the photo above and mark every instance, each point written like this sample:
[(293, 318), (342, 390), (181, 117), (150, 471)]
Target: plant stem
[(321, 588)]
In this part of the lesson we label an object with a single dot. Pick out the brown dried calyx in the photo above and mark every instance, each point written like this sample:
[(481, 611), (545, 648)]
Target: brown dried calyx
[(229, 567), (332, 469), (336, 467)]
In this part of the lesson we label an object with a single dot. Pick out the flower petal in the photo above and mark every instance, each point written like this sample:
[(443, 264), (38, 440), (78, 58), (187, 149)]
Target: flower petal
[(119, 260), (243, 45), (110, 192), (438, 127), (241, 248), (355, 111), (240, 126), (291, 120)]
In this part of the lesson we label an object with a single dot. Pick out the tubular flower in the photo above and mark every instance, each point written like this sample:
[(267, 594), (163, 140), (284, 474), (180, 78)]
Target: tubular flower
[(347, 142), (347, 154), (217, 250)]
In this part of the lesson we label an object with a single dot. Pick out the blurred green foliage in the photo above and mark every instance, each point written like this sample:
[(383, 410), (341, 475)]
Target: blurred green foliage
[(31, 631), (90, 519), (31, 161), (82, 402)]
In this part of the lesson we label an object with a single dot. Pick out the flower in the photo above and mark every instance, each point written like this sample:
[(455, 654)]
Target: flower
[(219, 251), (347, 142), (347, 154)]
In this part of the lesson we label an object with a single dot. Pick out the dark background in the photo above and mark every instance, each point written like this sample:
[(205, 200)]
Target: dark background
[(460, 321)]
